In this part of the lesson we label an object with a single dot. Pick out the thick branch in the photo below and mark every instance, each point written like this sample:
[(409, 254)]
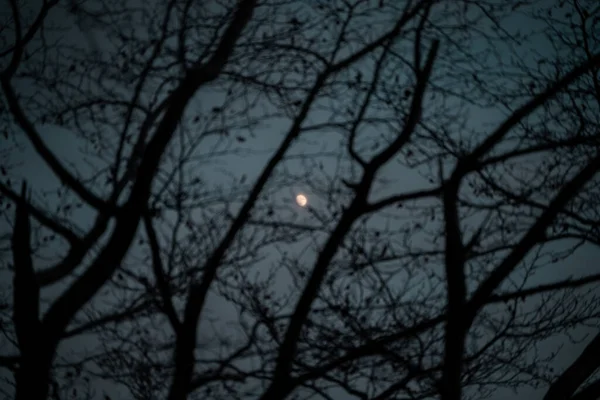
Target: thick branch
[(26, 291), (565, 195), (26, 304), (470, 162), (590, 392), (9, 362), (577, 373), (456, 292)]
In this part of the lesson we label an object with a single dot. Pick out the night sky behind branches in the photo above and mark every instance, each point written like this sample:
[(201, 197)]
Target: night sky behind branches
[(485, 69)]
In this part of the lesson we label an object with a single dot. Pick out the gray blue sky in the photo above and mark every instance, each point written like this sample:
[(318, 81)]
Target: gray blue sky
[(227, 167)]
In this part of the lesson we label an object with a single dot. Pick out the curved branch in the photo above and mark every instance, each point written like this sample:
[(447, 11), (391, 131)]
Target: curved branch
[(75, 255), (22, 40), (61, 172), (568, 191)]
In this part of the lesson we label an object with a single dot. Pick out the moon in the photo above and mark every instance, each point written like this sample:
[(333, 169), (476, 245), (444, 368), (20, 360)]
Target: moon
[(301, 200)]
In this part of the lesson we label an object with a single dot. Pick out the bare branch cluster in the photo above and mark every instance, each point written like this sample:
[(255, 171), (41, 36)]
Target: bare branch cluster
[(448, 149)]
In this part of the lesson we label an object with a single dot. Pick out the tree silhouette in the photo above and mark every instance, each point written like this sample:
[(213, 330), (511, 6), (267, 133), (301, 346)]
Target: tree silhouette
[(448, 150)]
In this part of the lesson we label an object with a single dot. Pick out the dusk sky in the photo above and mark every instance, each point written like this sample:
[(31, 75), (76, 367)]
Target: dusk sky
[(222, 169)]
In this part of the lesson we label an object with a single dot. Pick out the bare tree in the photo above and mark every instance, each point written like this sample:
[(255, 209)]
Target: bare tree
[(448, 151)]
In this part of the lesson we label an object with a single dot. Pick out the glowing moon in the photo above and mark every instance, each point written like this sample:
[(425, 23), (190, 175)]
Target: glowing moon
[(301, 200)]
